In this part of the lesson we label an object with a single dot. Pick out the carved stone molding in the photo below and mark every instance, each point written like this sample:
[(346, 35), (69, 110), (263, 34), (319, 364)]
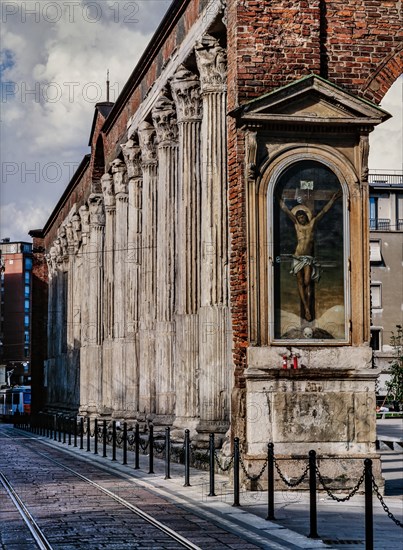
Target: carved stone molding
[(108, 191), (212, 64), (364, 150), (251, 154), (96, 208), (132, 154), (186, 92), (164, 118), (119, 171), (147, 139)]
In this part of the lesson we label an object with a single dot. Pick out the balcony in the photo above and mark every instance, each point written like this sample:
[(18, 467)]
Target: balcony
[(380, 224)]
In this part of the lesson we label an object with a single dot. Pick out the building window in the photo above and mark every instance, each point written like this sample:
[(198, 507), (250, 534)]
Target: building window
[(26, 305), (375, 252), (376, 334), (376, 295), (28, 264), (27, 278), (308, 237), (26, 320), (27, 291)]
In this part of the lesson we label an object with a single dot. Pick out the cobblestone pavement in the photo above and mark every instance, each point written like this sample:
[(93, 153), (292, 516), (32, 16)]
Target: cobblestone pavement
[(75, 514), (340, 525)]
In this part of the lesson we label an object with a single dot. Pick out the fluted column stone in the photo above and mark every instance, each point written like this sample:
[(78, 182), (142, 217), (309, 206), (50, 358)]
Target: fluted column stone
[(148, 282), (185, 87), (164, 118), (215, 333)]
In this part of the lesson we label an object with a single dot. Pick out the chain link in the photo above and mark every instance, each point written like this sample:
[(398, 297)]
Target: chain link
[(257, 476), (223, 468), (144, 447), (384, 506), (332, 496), (159, 448), (291, 483)]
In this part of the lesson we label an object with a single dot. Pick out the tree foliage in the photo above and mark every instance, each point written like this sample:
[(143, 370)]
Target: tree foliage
[(395, 383)]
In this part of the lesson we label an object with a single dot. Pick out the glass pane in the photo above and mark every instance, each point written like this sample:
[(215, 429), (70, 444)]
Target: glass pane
[(28, 264), (309, 254)]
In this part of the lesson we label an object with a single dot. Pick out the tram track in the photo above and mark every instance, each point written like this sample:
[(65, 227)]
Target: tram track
[(38, 533)]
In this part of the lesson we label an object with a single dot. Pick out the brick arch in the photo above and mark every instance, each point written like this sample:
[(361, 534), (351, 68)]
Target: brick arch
[(379, 82)]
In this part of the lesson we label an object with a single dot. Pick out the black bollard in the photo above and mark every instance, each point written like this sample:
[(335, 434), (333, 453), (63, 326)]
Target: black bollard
[(151, 449), (75, 431), (212, 458), (48, 433), (88, 434), (369, 519), (114, 440), (96, 436), (69, 429), (81, 433), (313, 534), (124, 443), (236, 472), (59, 429), (167, 453), (270, 482), (137, 447), (64, 429), (187, 458), (104, 439)]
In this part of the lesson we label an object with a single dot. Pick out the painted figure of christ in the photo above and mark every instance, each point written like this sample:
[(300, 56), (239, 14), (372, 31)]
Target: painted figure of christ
[(305, 267)]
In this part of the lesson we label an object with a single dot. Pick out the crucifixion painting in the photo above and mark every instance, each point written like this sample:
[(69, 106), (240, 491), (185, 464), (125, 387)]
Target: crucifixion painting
[(308, 233)]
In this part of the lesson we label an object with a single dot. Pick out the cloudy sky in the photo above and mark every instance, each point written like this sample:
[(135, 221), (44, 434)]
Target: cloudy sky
[(54, 57)]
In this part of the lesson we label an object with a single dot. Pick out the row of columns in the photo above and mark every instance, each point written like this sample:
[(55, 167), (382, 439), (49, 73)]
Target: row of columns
[(152, 260)]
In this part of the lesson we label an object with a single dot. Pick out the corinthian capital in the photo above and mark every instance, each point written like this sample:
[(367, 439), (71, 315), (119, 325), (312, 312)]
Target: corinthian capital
[(132, 154), (185, 87), (147, 139), (164, 118), (212, 64), (108, 191), (118, 169), (96, 208)]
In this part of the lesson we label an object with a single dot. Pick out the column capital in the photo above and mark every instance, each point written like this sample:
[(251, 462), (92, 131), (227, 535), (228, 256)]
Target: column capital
[(84, 214), (132, 155), (211, 61), (96, 210), (108, 191), (76, 228), (119, 174), (186, 92), (164, 118), (147, 139)]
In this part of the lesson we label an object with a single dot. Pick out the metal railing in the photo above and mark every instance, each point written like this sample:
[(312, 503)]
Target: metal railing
[(380, 224)]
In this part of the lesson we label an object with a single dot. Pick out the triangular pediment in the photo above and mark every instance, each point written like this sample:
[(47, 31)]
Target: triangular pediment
[(311, 99)]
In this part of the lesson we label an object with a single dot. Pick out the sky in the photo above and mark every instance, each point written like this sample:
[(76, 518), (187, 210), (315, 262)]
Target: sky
[(54, 58)]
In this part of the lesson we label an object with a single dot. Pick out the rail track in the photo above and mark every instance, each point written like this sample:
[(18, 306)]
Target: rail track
[(34, 524)]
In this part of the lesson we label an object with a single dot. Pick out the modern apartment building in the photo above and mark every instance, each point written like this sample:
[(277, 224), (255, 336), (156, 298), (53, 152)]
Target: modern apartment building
[(386, 240), (15, 321)]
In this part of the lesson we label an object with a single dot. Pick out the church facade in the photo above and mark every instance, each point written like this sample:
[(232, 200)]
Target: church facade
[(209, 261)]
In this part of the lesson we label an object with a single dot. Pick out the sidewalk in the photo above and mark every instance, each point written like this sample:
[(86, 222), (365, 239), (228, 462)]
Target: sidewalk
[(340, 525)]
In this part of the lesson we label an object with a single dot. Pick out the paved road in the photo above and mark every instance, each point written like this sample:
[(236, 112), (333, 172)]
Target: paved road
[(340, 525)]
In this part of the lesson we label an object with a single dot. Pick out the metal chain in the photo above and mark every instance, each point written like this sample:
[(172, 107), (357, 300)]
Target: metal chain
[(332, 496), (257, 476), (384, 506), (291, 483), (223, 468), (144, 447), (159, 448)]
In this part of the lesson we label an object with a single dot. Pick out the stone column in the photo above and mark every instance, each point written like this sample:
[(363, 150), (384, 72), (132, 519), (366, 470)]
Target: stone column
[(215, 335), (164, 118), (109, 287), (132, 155), (119, 174), (185, 88), (84, 335), (95, 299), (148, 296)]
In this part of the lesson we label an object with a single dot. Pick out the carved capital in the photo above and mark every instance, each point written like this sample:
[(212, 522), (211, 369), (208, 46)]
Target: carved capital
[(119, 174), (132, 155), (70, 234), (212, 64), (107, 191), (251, 154), (186, 92), (364, 151), (76, 227), (147, 139), (62, 238), (85, 218), (96, 208), (164, 118)]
